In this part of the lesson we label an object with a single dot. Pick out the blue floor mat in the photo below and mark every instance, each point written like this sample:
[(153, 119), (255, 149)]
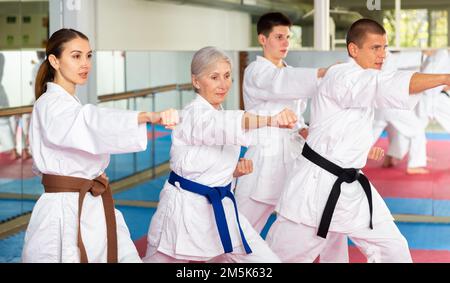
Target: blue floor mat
[(420, 236), (11, 248), (430, 136), (410, 206), (30, 186), (148, 191), (10, 208), (137, 219), (418, 206)]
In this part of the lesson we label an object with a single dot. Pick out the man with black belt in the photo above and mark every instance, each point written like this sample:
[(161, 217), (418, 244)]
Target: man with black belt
[(330, 194)]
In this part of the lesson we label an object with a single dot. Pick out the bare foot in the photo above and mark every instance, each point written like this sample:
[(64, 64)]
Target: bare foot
[(417, 170), (26, 154), (389, 162), (14, 155)]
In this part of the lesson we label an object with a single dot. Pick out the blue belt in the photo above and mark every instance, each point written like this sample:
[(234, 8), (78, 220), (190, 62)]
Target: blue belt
[(214, 196)]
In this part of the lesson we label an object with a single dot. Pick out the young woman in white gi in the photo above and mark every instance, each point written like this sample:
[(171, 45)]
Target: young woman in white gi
[(71, 145), (340, 137), (270, 85), (205, 151)]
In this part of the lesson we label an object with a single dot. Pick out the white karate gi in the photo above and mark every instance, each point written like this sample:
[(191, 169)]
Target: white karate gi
[(436, 105), (6, 132), (268, 90), (341, 131), (205, 149), (69, 139), (406, 130)]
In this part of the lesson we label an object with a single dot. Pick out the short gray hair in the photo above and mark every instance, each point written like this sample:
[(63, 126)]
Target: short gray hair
[(205, 57)]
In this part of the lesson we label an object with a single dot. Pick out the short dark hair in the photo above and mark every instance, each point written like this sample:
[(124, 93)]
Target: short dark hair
[(358, 30), (267, 21)]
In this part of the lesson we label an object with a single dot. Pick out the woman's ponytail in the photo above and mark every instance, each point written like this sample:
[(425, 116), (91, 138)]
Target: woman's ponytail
[(45, 74)]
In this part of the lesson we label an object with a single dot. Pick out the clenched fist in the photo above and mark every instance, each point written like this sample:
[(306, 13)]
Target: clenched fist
[(376, 153), (168, 118), (244, 167), (285, 119), (303, 132)]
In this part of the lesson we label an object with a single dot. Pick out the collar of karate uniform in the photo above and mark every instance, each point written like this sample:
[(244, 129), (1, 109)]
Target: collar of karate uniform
[(52, 87), (263, 59), (202, 100), (353, 62)]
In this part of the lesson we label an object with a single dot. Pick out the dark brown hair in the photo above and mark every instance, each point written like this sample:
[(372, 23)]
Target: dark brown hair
[(267, 21), (358, 30), (55, 46)]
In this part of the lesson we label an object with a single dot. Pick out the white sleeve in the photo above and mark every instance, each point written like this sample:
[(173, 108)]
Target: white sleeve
[(210, 127), (92, 129), (434, 91), (379, 89), (393, 90), (282, 83)]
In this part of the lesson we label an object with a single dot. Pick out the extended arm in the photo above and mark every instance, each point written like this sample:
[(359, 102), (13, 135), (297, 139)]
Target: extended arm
[(421, 82)]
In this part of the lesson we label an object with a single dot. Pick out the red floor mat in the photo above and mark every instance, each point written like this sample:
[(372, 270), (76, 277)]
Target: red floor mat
[(419, 256), (394, 182), (15, 169), (355, 255)]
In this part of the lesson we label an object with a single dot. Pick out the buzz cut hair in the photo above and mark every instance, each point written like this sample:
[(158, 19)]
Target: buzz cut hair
[(359, 29)]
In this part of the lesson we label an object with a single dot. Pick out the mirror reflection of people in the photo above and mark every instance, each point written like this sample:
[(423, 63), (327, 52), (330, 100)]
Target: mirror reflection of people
[(71, 145), (7, 137), (36, 63)]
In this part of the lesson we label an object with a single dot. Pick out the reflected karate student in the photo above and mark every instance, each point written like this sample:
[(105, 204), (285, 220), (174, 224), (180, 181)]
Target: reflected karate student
[(75, 220), (197, 218)]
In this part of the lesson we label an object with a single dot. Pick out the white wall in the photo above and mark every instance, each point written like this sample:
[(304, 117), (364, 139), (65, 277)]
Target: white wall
[(110, 72), (146, 25)]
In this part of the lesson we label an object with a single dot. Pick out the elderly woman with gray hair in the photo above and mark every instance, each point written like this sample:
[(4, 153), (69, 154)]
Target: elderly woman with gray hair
[(197, 218)]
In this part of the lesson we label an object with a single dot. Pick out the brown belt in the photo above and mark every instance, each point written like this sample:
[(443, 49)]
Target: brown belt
[(98, 186)]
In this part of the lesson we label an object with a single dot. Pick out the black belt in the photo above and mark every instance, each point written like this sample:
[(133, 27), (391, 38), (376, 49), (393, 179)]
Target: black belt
[(348, 175), (446, 93)]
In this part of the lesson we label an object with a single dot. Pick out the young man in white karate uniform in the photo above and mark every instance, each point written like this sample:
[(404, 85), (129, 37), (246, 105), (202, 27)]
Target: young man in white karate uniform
[(269, 86), (330, 194)]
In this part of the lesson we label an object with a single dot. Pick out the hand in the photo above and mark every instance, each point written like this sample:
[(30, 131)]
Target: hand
[(168, 118), (244, 167), (428, 52), (376, 153), (284, 119), (105, 176), (321, 72), (303, 133)]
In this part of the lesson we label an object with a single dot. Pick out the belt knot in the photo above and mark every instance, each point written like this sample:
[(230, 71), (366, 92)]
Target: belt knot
[(350, 175)]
